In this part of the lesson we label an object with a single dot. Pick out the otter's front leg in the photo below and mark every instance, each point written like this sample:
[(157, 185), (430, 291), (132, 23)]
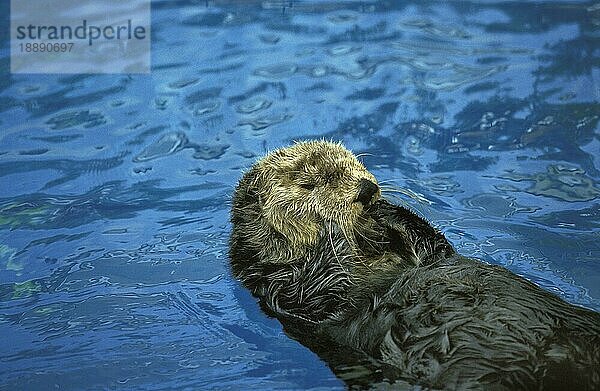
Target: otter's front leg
[(410, 236)]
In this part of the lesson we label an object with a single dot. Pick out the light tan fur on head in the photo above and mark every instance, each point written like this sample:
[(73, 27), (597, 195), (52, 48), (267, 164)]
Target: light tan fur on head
[(307, 185)]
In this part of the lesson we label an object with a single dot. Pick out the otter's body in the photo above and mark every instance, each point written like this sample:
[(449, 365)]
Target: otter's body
[(383, 297)]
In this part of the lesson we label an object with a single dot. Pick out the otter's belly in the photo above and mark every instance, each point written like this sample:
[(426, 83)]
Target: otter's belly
[(465, 323)]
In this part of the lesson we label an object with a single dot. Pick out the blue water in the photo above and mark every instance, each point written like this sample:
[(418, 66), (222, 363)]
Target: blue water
[(115, 189)]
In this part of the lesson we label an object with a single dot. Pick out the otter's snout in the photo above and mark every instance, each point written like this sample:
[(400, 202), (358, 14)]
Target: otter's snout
[(366, 191)]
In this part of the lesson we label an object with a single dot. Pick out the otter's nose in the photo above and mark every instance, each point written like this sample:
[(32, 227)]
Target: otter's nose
[(367, 190)]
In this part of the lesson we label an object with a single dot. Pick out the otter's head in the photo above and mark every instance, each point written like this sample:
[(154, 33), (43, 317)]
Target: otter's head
[(302, 188)]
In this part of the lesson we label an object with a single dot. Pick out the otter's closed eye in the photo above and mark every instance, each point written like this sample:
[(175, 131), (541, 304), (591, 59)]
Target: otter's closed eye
[(308, 186)]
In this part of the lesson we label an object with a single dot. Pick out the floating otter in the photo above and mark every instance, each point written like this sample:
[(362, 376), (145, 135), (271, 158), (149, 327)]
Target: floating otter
[(383, 297)]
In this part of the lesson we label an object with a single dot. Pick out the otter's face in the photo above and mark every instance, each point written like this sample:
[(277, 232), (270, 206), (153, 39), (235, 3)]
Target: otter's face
[(311, 184)]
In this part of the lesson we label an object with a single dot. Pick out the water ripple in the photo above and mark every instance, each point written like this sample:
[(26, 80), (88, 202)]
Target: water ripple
[(166, 145)]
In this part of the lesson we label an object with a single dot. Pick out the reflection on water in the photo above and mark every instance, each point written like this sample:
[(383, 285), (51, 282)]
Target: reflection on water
[(115, 189)]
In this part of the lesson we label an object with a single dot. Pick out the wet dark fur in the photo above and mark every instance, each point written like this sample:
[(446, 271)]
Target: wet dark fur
[(442, 321)]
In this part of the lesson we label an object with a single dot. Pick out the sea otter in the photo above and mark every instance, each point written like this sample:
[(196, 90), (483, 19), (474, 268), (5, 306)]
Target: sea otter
[(383, 297)]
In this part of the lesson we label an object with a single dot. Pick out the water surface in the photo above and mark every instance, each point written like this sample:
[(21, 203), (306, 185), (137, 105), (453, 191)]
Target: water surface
[(115, 189)]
